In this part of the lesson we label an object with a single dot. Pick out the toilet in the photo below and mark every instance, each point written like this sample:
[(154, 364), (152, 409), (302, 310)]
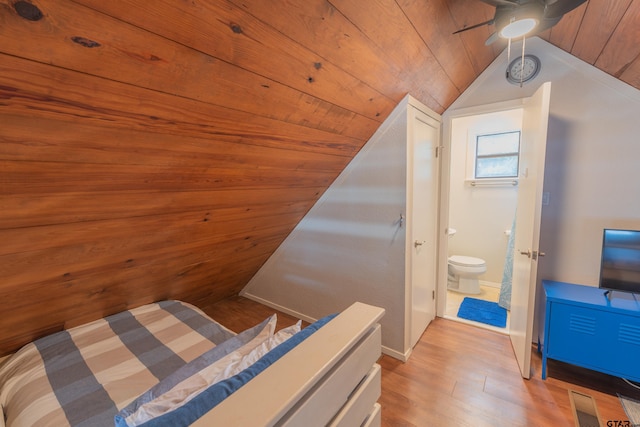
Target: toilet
[(463, 274)]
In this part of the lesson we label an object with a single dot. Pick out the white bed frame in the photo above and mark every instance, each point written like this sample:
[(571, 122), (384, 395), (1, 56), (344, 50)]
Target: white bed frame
[(330, 379)]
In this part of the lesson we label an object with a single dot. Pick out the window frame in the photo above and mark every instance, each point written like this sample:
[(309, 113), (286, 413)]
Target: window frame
[(515, 154)]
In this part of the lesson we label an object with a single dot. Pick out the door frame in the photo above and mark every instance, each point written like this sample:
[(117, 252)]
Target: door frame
[(445, 186), (414, 113)]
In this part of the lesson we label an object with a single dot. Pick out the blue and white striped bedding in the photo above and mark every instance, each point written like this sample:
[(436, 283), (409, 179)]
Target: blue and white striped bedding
[(85, 376), (209, 396)]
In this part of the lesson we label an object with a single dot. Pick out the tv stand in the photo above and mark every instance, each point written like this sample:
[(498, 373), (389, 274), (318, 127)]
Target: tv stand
[(584, 329)]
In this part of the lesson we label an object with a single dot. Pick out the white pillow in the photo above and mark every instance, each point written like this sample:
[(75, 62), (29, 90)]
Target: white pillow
[(266, 346)]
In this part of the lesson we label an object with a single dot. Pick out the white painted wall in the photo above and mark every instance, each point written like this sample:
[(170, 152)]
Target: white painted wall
[(351, 245), (592, 162), (480, 214)]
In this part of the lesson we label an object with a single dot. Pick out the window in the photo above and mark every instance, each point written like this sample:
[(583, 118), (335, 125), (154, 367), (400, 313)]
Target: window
[(497, 155)]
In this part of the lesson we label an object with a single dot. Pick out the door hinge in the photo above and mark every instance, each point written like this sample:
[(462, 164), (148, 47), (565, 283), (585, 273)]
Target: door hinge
[(437, 151), (433, 294)]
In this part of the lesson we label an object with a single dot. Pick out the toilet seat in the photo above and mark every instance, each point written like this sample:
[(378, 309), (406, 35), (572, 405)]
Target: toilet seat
[(466, 261)]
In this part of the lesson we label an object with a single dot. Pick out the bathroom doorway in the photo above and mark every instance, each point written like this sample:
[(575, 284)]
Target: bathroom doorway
[(483, 192), (526, 238)]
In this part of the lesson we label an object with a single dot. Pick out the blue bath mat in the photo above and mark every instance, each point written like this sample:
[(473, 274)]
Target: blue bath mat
[(483, 311)]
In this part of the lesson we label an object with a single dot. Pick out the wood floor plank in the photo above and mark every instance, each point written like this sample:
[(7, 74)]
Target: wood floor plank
[(239, 313)]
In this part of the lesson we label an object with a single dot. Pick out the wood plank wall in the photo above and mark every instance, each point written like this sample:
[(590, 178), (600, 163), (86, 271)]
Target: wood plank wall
[(136, 168), (164, 149)]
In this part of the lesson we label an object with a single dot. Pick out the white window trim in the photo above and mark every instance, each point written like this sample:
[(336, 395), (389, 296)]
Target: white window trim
[(471, 163)]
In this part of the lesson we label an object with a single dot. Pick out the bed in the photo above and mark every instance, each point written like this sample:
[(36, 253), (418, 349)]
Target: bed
[(168, 363)]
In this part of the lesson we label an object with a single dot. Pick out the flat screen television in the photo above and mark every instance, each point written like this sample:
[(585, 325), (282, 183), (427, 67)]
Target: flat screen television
[(620, 265)]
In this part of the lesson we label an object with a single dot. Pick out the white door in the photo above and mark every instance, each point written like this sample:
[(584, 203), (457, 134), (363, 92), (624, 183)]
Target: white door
[(422, 206), (527, 232)]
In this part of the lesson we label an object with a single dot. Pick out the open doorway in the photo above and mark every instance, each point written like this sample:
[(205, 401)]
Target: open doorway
[(526, 245), (482, 199)]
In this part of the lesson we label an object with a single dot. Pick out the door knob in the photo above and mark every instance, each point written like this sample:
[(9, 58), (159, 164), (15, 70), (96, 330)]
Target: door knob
[(419, 243), (536, 254)]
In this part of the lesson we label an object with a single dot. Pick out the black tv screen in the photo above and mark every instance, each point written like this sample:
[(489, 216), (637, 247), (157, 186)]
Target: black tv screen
[(620, 266)]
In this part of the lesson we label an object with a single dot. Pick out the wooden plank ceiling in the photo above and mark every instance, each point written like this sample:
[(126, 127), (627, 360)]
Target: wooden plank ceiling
[(164, 149)]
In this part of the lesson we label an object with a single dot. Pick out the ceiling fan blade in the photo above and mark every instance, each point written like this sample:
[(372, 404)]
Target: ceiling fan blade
[(560, 7), (489, 22), (547, 23), (492, 38), (501, 2)]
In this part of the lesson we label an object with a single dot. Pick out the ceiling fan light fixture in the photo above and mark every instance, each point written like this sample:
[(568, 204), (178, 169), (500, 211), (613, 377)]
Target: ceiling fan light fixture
[(515, 19), (518, 28)]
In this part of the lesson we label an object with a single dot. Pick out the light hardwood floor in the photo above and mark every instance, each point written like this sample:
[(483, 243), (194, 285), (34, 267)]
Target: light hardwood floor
[(460, 375)]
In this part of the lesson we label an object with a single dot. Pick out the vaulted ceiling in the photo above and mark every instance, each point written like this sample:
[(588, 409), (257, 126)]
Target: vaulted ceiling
[(165, 148)]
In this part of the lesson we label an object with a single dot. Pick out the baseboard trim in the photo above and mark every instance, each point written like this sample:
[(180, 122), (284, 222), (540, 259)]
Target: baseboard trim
[(278, 307), (490, 284), (403, 357)]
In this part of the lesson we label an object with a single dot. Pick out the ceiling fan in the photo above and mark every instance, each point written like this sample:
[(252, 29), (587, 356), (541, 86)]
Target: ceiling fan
[(517, 18)]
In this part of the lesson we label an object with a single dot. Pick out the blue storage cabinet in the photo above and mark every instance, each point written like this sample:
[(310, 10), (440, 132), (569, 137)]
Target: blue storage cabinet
[(584, 328)]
